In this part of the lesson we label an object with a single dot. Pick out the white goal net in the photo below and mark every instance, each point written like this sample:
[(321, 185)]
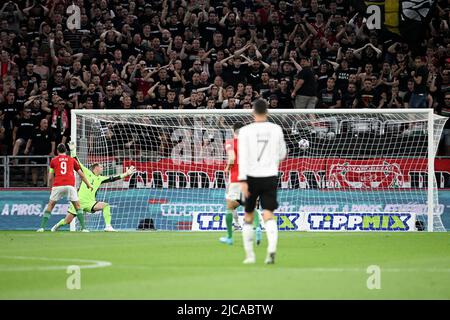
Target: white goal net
[(345, 170)]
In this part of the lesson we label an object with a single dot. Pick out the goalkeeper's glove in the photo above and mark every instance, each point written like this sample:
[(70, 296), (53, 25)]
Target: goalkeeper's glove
[(73, 149), (131, 170)]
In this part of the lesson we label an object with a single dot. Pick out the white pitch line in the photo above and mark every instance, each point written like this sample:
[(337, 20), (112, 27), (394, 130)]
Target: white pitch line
[(93, 264), (300, 269)]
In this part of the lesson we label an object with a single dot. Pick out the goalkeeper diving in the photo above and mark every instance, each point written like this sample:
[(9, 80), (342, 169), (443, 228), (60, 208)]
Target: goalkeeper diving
[(87, 196)]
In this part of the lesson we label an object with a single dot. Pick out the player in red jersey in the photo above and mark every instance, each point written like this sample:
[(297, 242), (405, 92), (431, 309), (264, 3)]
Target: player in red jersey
[(233, 194), (62, 179)]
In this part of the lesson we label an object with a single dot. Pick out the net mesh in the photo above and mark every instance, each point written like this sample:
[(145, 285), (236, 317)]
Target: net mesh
[(350, 163)]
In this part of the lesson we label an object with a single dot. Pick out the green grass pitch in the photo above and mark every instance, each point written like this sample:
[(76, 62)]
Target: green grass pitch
[(193, 265)]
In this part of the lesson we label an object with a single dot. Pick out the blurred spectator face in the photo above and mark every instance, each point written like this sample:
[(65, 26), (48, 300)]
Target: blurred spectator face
[(24, 82), (73, 82), (166, 35), (368, 85), (418, 62), (248, 90), (247, 105), (197, 66), (229, 92), (163, 74), (156, 43), (89, 104), (217, 38), (91, 87), (351, 88), (232, 103), (214, 91), (410, 85), (59, 78), (43, 125), (330, 83), (171, 96), (395, 91), (118, 54), (5, 56), (304, 63), (43, 85), (162, 90), (218, 81), (173, 18), (220, 55), (352, 78), (273, 102), (146, 30), (210, 104), (447, 100), (21, 92), (137, 39), (272, 83), (374, 80), (77, 66), (218, 68), (10, 97), (264, 77), (240, 87), (283, 85), (27, 113), (99, 28), (126, 102), (237, 62), (29, 68), (319, 17), (178, 41), (212, 17), (109, 91), (349, 54), (445, 76), (204, 77), (386, 67), (23, 51), (196, 78), (368, 68), (274, 66)]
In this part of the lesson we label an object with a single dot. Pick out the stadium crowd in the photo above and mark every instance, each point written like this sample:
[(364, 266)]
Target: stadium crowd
[(197, 54)]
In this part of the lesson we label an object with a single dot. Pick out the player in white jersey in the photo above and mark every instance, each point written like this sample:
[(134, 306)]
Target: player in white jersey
[(261, 148)]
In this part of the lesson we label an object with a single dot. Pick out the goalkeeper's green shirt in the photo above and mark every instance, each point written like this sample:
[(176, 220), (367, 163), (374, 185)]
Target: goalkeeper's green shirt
[(84, 192)]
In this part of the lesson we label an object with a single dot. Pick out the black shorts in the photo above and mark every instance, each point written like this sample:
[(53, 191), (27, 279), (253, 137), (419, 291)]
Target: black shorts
[(264, 188)]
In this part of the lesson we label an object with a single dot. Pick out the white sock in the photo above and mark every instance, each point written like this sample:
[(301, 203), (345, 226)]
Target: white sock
[(247, 236), (261, 220), (235, 217), (272, 235)]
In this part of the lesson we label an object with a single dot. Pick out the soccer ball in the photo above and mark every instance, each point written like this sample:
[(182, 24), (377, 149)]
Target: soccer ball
[(303, 144)]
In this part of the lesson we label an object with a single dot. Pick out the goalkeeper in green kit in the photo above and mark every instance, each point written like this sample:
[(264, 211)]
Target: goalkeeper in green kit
[(87, 196)]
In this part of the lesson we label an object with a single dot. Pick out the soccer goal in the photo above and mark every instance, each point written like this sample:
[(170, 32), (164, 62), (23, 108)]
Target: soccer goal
[(347, 169)]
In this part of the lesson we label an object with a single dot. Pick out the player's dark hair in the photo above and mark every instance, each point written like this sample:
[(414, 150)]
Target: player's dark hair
[(61, 148), (237, 126), (260, 107)]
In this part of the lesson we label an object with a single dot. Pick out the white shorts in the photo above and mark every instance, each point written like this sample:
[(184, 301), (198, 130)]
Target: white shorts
[(64, 191), (233, 192)]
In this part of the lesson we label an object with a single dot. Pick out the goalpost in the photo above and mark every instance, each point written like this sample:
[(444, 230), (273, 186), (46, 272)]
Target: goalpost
[(363, 170)]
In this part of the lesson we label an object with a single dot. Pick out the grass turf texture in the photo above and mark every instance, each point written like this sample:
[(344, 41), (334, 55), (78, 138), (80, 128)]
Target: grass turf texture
[(189, 265)]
